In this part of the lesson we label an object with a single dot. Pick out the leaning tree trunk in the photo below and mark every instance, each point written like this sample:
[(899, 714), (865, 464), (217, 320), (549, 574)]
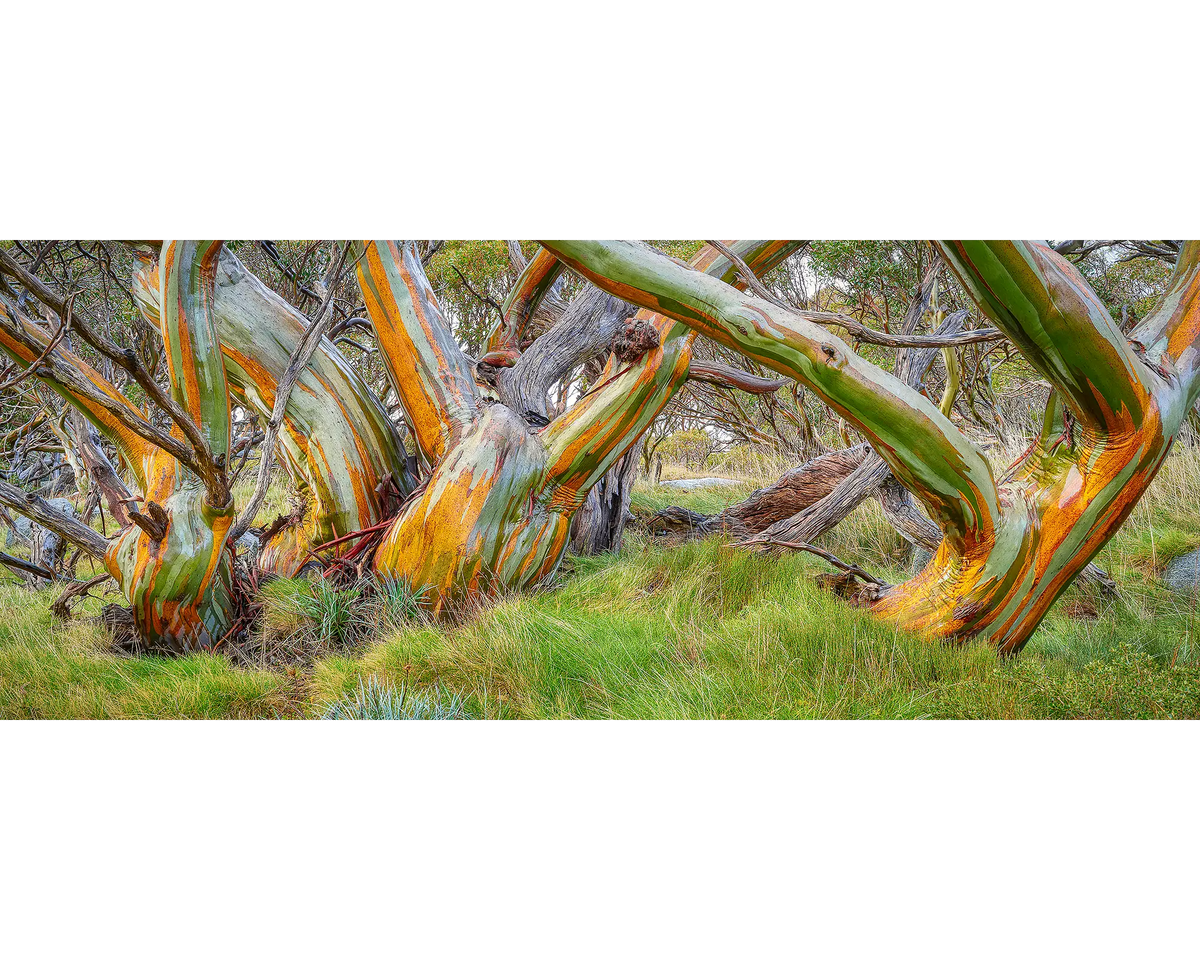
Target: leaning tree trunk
[(600, 522), (341, 451), (495, 513), (1010, 546)]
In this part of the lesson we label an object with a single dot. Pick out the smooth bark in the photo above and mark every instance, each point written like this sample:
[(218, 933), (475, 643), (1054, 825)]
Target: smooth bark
[(1011, 546)]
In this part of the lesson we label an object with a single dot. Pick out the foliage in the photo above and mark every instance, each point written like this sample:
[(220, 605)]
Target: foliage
[(690, 447), (461, 273), (376, 699), (1132, 285)]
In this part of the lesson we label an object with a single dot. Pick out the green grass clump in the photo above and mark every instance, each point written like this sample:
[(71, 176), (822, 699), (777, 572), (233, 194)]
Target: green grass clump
[(699, 630), (315, 614), (377, 700), (53, 670)]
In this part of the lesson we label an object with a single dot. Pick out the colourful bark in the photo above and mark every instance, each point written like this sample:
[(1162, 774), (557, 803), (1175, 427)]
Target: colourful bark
[(1010, 547), (495, 513), (176, 571), (337, 445)]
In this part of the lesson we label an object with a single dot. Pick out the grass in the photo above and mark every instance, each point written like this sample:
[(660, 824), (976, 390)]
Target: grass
[(697, 630), (50, 670), (648, 498), (378, 700)]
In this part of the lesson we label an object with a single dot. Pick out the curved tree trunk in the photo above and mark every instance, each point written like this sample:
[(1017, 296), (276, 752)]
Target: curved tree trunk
[(496, 511), (338, 445), (813, 498), (172, 564), (1010, 546), (600, 522)]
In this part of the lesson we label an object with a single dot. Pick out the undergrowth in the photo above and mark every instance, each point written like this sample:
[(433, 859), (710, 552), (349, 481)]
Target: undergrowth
[(696, 630)]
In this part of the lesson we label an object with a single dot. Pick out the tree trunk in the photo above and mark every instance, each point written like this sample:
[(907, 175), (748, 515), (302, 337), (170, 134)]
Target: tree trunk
[(1009, 547), (600, 523), (496, 511), (171, 562)]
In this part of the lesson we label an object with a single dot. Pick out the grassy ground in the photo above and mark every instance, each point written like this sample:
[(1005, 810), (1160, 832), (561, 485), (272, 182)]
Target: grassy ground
[(699, 630)]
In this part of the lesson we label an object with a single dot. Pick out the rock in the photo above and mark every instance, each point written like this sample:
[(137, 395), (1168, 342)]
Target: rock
[(1183, 573), (920, 559), (25, 525), (699, 483)]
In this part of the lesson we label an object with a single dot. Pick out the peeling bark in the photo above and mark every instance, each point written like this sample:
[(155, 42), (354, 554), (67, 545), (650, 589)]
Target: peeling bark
[(337, 445), (497, 509), (1010, 546)]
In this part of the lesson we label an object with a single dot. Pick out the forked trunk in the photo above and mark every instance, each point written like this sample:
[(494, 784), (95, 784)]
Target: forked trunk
[(496, 511), (1011, 546)]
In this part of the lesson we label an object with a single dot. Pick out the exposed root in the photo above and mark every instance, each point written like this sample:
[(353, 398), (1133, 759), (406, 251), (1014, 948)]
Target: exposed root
[(61, 607), (848, 586)]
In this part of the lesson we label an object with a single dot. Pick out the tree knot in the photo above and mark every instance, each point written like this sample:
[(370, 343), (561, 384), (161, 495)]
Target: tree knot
[(636, 338)]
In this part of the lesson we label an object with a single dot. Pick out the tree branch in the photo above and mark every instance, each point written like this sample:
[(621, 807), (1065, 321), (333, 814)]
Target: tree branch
[(40, 512), (723, 375), (429, 372), (1059, 325), (924, 450)]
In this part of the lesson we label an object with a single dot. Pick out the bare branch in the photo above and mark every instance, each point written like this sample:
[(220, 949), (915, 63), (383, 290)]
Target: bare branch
[(300, 358)]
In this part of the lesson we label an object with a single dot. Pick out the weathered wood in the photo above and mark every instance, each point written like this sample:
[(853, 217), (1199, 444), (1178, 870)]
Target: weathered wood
[(40, 512), (1010, 547), (101, 471), (30, 570), (796, 490), (599, 524), (338, 444)]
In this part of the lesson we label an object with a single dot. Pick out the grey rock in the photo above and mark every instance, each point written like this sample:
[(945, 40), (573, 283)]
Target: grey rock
[(699, 483), (920, 559), (248, 547), (25, 525), (1183, 573)]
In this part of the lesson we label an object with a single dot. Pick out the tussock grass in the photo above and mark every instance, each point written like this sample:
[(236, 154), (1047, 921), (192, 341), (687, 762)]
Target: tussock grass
[(377, 700), (50, 670), (697, 630), (703, 630)]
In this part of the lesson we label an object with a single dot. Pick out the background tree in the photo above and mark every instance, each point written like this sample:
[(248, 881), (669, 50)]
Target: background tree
[(1012, 545)]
